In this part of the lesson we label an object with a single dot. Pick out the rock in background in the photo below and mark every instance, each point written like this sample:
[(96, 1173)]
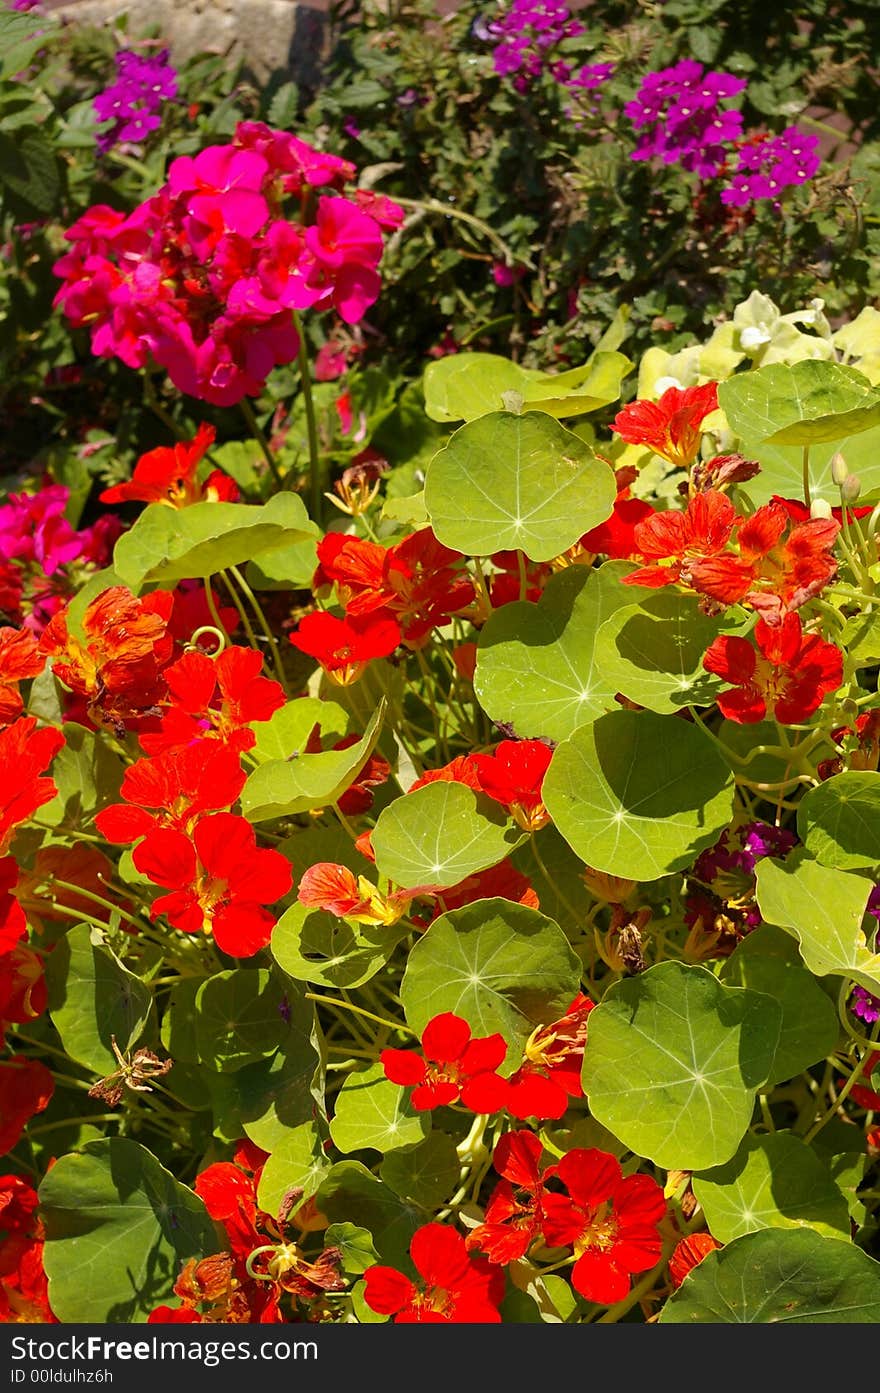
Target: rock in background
[(271, 35)]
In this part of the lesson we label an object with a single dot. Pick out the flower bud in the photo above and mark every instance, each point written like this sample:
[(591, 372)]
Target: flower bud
[(839, 469), (850, 488), (821, 508)]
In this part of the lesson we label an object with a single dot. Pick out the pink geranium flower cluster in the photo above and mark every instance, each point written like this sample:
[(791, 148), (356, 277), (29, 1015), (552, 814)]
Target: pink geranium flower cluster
[(203, 276)]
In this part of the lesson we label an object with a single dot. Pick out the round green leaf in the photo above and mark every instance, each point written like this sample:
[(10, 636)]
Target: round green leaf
[(349, 1193), (298, 782), (507, 482), (538, 664), (314, 946), (637, 794), (464, 386), (799, 403), (823, 909), (502, 966), (652, 651), (94, 999), (166, 545), (239, 1018), (772, 1182), (440, 834), (427, 1174), (371, 1111), (298, 1162), (118, 1229), (768, 961), (839, 820), (673, 1062), (287, 730), (779, 1278)]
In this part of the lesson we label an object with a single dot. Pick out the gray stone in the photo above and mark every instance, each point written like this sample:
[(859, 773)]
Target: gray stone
[(271, 35)]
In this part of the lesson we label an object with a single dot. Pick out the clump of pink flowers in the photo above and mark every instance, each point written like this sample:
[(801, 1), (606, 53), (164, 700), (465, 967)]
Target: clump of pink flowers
[(766, 165), (38, 546), (681, 114), (203, 277)]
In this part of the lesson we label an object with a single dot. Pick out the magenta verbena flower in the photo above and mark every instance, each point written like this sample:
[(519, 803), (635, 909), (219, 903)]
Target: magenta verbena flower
[(203, 276), (527, 33), (680, 114), (767, 165), (134, 102), (864, 1005)]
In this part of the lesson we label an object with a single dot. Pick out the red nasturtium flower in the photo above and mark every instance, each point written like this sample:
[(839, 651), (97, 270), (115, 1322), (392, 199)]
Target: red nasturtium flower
[(673, 543), (336, 889), (672, 426), (461, 770), (118, 671), (168, 475), (24, 754), (24, 1295), (688, 1253), (22, 985), (180, 785), (514, 1212), (19, 658), (501, 882), (219, 1289), (513, 774), (219, 881), (455, 1287), (788, 674), (343, 647), (609, 1220), (550, 1073), (214, 699), (452, 1067), (26, 1088)]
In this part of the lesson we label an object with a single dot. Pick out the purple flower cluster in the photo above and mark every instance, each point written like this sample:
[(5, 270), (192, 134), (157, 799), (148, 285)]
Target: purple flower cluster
[(864, 1005), (24, 5), (134, 101), (527, 35), (723, 878), (680, 112), (767, 165)]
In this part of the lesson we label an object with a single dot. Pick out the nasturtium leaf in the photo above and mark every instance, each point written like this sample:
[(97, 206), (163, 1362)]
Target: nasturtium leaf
[(839, 820), (558, 878), (773, 1181), (372, 1112), (290, 567), (281, 787), (502, 966), (673, 1062), (239, 1018), (298, 1162), (508, 482), (119, 1228), (464, 386), (768, 961), (774, 1278), (860, 637), (782, 467), (538, 664), (178, 1033), (285, 733), (93, 998), (823, 909), (440, 834), (799, 403), (637, 794), (652, 651), (349, 1193), (355, 1247), (87, 774), (427, 1174), (312, 945), (277, 1094), (166, 545)]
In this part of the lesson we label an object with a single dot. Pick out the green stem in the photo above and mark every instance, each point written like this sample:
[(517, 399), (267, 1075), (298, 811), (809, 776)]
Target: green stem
[(431, 205), (266, 627), (316, 475), (358, 1010), (806, 475), (259, 435)]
